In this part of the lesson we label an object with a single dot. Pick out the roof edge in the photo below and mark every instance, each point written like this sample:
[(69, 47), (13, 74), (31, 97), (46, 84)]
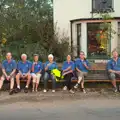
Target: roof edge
[(85, 19)]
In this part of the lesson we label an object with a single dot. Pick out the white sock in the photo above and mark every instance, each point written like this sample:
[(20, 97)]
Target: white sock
[(26, 86), (18, 86)]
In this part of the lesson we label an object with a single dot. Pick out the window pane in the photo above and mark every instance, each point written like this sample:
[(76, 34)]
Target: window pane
[(78, 38), (102, 5), (98, 41), (119, 28)]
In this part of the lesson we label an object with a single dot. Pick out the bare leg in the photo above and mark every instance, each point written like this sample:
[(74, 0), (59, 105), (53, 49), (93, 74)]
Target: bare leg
[(37, 81), (18, 80), (12, 83), (28, 81), (34, 82), (114, 83), (1, 82), (80, 77), (36, 89), (82, 84), (33, 88)]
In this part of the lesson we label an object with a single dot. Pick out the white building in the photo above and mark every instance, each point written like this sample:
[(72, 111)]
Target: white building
[(76, 18)]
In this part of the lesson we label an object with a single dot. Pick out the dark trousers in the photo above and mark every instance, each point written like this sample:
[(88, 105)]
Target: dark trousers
[(67, 79), (48, 76)]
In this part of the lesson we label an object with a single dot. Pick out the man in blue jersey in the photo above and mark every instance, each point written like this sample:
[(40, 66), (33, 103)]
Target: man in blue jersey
[(24, 69), (36, 72), (8, 68), (82, 66), (113, 67)]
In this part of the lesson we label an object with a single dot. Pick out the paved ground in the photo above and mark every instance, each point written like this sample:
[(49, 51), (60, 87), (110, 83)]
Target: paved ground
[(95, 105)]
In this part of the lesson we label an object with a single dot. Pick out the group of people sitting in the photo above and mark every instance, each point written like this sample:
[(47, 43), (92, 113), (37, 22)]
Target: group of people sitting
[(32, 71)]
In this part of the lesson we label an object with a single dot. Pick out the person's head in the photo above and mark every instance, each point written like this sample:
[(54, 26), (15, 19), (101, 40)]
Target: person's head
[(36, 57), (68, 58), (82, 55), (24, 57), (8, 56), (114, 53), (50, 57)]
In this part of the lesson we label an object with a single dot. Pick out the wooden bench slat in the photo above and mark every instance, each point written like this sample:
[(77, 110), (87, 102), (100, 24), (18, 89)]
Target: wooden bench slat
[(88, 80)]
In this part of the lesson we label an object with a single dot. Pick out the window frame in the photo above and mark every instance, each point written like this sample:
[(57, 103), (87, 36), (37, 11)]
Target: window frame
[(78, 38), (106, 11), (99, 56), (119, 28)]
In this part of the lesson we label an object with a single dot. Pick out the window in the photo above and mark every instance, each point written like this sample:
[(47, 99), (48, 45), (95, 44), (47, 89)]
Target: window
[(102, 6), (98, 41), (78, 38), (119, 28)]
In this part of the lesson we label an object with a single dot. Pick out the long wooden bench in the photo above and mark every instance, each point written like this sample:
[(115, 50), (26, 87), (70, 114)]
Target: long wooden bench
[(97, 73)]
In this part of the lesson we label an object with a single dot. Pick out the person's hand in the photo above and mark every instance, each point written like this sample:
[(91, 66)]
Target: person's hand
[(23, 75), (117, 72), (26, 74), (84, 63), (64, 73), (67, 69), (48, 64), (8, 77), (46, 68), (34, 63)]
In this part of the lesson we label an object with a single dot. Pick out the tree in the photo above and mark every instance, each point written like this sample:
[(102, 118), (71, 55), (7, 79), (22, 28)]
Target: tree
[(27, 25)]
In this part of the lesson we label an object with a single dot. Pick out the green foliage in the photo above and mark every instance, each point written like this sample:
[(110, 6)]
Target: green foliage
[(27, 26)]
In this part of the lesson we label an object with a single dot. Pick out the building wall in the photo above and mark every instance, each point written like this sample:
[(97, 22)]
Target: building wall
[(66, 10)]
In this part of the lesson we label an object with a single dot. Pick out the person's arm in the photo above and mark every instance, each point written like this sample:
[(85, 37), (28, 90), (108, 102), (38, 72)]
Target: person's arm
[(33, 67), (46, 66), (18, 68), (13, 72), (28, 72), (3, 69), (30, 68), (67, 69), (109, 68), (70, 71), (113, 71), (71, 68), (14, 69), (41, 67), (87, 65), (20, 72), (39, 72), (76, 66), (78, 70), (4, 72)]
